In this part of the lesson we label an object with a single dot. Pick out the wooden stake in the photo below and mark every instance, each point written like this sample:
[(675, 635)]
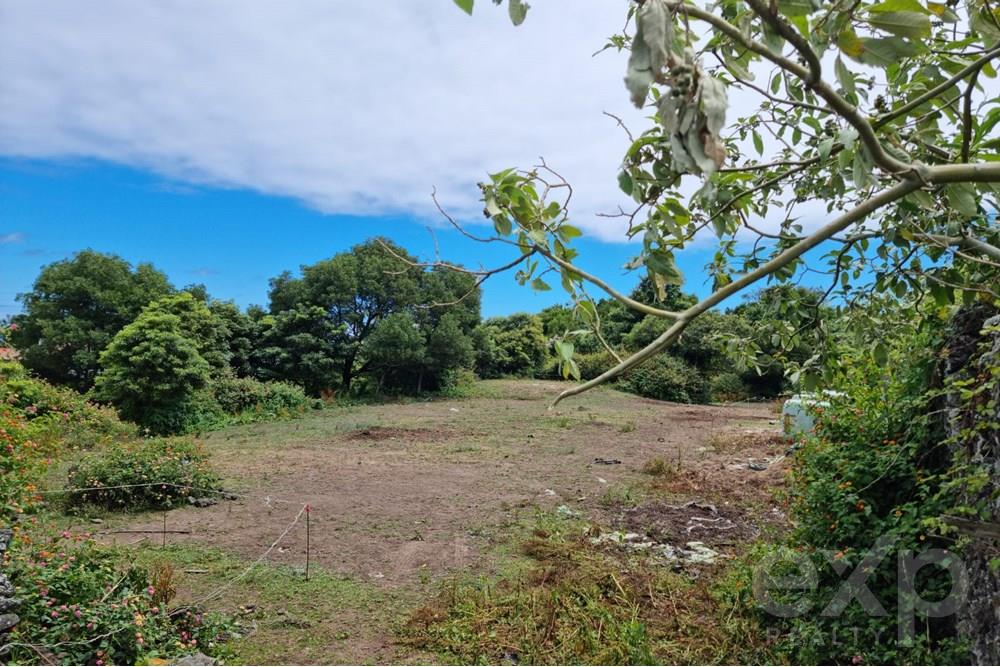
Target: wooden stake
[(307, 541)]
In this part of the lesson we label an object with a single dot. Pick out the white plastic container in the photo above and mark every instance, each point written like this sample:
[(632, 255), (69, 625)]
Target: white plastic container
[(798, 413)]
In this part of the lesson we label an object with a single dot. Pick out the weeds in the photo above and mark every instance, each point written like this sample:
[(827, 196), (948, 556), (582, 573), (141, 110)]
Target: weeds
[(620, 494), (658, 467), (578, 604)]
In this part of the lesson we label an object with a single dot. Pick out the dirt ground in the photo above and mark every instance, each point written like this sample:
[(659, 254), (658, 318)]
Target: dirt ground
[(401, 495)]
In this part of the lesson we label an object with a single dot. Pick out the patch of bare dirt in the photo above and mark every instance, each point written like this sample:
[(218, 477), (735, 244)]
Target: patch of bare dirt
[(448, 478), (692, 521)]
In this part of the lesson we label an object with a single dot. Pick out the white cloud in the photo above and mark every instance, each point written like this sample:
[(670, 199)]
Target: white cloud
[(12, 237), (350, 107)]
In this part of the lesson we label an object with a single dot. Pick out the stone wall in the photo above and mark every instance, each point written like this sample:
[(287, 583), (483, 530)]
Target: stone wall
[(8, 603), (972, 351)]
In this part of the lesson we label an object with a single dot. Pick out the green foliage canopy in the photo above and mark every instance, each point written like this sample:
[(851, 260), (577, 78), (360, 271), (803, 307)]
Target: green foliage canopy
[(74, 309)]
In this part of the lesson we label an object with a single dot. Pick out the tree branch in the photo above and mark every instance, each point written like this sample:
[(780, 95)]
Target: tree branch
[(769, 15), (838, 104), (967, 119), (967, 242), (985, 172), (936, 90), (783, 259), (615, 294)]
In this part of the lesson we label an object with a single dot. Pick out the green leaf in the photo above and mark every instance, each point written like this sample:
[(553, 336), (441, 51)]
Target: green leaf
[(900, 6), (758, 143), (824, 148), (465, 6), (517, 10), (847, 137), (719, 223), (943, 295), (538, 236), (886, 51), (661, 263), (502, 225), (881, 354), (861, 171), (639, 75), (540, 285), (492, 208), (569, 232), (844, 76), (850, 44), (625, 182), (942, 11), (962, 198), (923, 199), (796, 7), (904, 24)]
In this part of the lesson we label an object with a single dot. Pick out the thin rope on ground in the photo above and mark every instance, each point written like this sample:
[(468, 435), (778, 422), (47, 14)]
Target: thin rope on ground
[(217, 592)]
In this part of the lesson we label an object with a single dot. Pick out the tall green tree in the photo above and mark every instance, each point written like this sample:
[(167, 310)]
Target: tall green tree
[(151, 370), (395, 353), (301, 345), (243, 333), (355, 291), (75, 308), (200, 325), (514, 345)]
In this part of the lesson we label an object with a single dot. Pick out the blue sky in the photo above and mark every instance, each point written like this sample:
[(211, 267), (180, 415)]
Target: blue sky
[(232, 240), (226, 146)]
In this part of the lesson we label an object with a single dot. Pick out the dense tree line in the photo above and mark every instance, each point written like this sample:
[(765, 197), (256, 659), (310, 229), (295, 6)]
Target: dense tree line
[(366, 321)]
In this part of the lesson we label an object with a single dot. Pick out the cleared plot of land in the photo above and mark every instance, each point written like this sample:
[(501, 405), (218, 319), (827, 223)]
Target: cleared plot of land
[(402, 495)]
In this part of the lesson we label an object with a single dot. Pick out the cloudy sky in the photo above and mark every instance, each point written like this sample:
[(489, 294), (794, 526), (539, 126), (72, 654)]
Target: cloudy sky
[(191, 132)]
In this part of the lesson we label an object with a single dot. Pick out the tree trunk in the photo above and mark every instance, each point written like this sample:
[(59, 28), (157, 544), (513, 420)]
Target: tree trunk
[(347, 373)]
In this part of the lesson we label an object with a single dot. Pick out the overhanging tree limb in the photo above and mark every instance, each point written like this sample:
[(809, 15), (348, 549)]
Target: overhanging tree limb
[(979, 172), (615, 294), (937, 90), (853, 216)]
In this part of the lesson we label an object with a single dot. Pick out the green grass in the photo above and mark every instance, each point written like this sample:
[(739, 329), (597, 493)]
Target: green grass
[(286, 618)]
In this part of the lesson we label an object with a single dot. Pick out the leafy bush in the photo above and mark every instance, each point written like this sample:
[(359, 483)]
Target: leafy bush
[(667, 378), (177, 466), (727, 386), (59, 418), (150, 372), (20, 462), (590, 365), (241, 395), (872, 471), (593, 364), (199, 324), (74, 590), (457, 383), (510, 346)]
